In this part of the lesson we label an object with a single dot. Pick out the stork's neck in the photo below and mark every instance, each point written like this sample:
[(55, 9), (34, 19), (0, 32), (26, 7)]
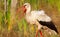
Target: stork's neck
[(28, 11)]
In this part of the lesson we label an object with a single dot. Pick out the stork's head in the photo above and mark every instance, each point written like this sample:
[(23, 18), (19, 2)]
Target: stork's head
[(25, 8)]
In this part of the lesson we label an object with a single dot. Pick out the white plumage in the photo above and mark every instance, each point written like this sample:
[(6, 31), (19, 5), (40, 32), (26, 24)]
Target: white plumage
[(37, 15), (33, 17)]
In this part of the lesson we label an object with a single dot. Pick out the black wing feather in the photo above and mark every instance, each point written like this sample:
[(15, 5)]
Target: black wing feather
[(49, 25)]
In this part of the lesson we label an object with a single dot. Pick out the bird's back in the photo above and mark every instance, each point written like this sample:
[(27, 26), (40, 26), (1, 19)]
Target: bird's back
[(37, 12), (40, 15)]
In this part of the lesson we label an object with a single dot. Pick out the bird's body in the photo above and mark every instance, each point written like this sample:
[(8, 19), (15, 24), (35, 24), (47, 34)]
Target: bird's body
[(34, 15), (37, 15), (42, 18), (38, 18)]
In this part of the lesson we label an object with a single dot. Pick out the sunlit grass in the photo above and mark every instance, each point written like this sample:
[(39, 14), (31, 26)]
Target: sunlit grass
[(23, 28)]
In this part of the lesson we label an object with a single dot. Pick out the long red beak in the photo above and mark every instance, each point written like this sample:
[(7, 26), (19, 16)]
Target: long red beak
[(21, 8)]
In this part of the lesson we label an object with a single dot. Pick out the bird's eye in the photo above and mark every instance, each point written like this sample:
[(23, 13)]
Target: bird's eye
[(24, 5)]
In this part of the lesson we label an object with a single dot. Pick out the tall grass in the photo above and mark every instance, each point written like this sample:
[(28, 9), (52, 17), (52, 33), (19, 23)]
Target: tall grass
[(23, 28), (8, 13)]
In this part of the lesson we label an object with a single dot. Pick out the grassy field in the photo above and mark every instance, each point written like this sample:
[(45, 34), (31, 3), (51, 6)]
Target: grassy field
[(12, 25)]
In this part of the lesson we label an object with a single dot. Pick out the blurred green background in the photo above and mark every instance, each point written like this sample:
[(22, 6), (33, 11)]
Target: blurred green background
[(13, 25)]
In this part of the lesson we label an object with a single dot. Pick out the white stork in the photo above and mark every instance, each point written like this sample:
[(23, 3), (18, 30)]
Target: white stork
[(38, 18)]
